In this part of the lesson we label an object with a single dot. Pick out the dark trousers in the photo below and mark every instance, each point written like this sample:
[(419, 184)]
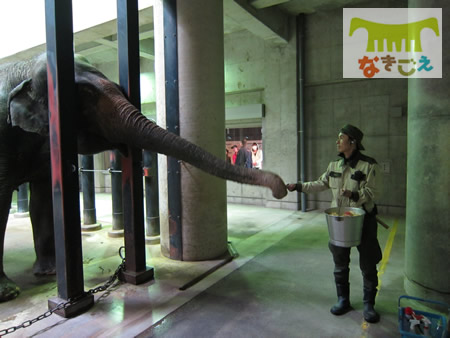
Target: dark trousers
[(369, 256)]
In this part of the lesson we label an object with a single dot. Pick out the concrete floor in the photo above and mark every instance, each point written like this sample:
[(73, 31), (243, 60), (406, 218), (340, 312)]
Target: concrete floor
[(280, 285)]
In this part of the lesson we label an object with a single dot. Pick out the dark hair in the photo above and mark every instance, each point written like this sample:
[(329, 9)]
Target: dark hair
[(354, 135)]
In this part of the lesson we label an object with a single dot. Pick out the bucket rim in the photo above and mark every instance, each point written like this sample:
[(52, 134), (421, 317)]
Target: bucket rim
[(359, 211)]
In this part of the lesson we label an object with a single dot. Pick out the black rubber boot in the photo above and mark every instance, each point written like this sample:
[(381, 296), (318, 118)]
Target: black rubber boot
[(370, 315), (343, 304)]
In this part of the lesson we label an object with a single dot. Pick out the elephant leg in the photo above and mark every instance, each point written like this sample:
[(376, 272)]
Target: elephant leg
[(41, 214), (8, 289)]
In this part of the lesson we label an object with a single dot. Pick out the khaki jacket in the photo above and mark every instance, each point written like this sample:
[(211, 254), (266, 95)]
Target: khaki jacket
[(359, 174)]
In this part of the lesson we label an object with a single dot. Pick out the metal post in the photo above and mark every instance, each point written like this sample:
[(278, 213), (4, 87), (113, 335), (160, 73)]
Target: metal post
[(173, 125), (22, 201), (152, 229), (116, 194), (301, 104), (136, 271), (88, 187), (64, 160)]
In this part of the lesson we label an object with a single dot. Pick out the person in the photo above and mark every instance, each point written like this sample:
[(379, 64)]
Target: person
[(244, 157), (352, 180), (227, 155), (235, 151), (256, 156)]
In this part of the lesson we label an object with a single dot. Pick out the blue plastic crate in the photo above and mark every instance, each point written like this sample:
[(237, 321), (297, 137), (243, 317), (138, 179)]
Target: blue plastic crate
[(438, 326)]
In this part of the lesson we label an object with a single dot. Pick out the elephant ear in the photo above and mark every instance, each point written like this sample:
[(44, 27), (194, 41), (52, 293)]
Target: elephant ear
[(26, 111)]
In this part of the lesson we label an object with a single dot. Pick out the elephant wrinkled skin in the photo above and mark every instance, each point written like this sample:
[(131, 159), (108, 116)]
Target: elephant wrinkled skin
[(105, 120)]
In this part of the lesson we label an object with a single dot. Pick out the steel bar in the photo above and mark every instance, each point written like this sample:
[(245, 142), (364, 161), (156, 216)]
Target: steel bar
[(64, 160), (136, 271), (173, 125), (104, 171)]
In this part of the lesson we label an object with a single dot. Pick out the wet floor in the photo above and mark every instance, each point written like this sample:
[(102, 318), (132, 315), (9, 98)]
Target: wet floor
[(279, 285)]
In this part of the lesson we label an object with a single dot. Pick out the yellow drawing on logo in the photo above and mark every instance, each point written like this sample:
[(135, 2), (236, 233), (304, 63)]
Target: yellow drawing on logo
[(394, 34)]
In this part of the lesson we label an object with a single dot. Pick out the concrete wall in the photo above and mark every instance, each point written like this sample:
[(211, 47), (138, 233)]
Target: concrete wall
[(377, 106), (258, 71), (263, 72)]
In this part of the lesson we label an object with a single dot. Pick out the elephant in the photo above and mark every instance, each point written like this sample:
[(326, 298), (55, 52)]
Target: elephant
[(105, 120)]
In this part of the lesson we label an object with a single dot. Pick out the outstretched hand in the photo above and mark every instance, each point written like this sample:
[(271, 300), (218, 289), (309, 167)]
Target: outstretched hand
[(346, 193), (291, 186)]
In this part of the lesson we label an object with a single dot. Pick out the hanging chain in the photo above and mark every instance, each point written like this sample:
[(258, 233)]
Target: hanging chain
[(70, 301)]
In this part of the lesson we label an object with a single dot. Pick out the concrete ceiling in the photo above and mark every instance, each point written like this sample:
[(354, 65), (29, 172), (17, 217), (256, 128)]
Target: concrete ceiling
[(267, 19)]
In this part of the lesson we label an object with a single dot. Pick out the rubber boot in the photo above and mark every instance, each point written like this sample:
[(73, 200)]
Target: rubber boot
[(370, 315), (343, 304)]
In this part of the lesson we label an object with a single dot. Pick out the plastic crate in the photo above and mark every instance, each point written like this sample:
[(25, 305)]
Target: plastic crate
[(438, 326)]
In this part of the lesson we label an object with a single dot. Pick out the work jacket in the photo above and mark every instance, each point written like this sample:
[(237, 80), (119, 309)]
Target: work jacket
[(358, 174)]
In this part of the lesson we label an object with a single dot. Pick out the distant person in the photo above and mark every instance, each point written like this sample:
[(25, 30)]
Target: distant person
[(228, 156), (235, 152), (244, 156), (353, 182), (256, 156)]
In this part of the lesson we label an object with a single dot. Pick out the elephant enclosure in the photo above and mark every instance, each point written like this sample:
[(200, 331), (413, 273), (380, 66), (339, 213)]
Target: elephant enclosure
[(126, 308)]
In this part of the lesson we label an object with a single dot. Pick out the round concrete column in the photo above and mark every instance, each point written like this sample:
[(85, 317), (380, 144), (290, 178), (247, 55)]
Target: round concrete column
[(427, 208), (202, 121)]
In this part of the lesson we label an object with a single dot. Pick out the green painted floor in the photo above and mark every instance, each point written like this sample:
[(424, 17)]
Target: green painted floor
[(280, 285)]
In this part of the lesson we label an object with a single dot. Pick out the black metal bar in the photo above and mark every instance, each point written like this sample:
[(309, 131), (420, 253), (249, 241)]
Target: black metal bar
[(116, 192), (63, 149), (150, 162), (136, 271), (22, 199), (88, 187), (173, 125)]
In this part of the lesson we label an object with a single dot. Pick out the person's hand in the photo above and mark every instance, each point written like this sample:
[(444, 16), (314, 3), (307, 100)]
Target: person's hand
[(291, 186), (346, 193)]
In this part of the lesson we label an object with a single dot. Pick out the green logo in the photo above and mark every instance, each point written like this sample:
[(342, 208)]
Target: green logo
[(394, 34)]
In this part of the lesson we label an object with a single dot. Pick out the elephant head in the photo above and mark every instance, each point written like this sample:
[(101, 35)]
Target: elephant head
[(107, 120)]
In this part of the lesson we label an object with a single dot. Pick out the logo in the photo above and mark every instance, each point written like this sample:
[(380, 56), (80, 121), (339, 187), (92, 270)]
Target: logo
[(392, 43)]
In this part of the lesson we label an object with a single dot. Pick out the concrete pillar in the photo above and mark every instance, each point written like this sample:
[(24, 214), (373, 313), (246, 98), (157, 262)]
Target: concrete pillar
[(22, 201), (116, 194), (88, 187), (202, 121), (427, 209), (150, 163), (99, 177)]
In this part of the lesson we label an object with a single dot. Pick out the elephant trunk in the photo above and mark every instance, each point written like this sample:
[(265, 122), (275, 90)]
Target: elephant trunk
[(138, 131)]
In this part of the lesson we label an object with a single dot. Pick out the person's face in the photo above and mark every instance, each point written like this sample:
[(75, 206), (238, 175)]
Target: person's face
[(254, 148), (235, 149), (343, 144)]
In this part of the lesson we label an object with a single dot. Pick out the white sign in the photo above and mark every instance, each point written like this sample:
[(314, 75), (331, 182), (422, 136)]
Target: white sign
[(392, 43)]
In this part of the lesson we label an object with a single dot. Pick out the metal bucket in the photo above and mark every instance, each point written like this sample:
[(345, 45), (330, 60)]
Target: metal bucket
[(345, 231)]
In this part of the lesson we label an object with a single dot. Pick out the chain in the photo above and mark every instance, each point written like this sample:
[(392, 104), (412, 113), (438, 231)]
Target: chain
[(70, 301)]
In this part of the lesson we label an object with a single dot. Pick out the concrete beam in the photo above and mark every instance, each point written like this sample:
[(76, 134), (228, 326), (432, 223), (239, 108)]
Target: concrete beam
[(266, 3), (267, 23), (113, 44)]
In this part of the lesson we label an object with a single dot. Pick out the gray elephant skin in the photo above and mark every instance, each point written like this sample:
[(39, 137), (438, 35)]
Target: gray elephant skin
[(105, 120)]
